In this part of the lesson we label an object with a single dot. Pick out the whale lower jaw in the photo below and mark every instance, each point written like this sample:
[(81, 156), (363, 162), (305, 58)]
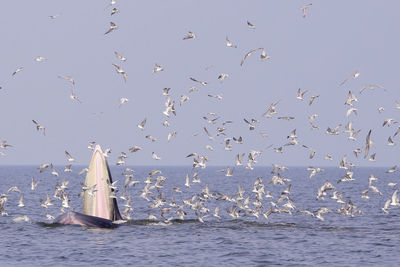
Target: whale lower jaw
[(77, 218)]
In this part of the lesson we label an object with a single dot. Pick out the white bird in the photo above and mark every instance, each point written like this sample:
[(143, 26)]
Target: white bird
[(353, 75), (251, 25), (264, 55), (197, 81), (21, 201), (73, 96), (390, 141), (154, 156), (123, 101), (18, 70), (114, 11), (304, 9), (300, 94), (113, 27), (39, 127), (3, 144), (395, 199), (119, 56), (312, 98), (40, 59), (68, 168), (21, 219), (230, 44), (67, 78), (142, 124), (170, 135), (248, 54), (222, 77), (119, 70), (69, 157), (368, 143), (34, 184), (229, 171), (134, 149), (157, 68), (190, 35), (187, 181)]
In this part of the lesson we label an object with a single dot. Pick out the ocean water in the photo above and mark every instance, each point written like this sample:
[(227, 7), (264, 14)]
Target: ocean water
[(369, 238)]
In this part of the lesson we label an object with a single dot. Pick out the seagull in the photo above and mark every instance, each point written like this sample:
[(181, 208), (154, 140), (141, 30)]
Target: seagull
[(157, 68), (229, 172), (83, 171), (350, 110), (300, 94), (183, 99), (393, 169), (142, 124), (4, 144), (312, 98), (112, 27), (187, 181), (68, 168), (222, 77), (134, 149), (49, 217), (388, 122), (151, 138), (43, 167), (14, 189), (372, 157), (39, 127), (21, 201), (208, 147), (251, 26), (216, 213), (18, 70), (34, 184), (69, 157), (119, 56), (368, 144), (114, 11), (190, 35), (395, 199), (120, 71), (201, 82), (40, 59), (249, 53), (67, 78), (263, 55), (371, 87), (54, 16), (304, 9), (21, 219), (251, 125), (390, 141), (354, 76), (230, 44), (73, 96), (386, 206), (154, 156), (170, 135), (123, 101)]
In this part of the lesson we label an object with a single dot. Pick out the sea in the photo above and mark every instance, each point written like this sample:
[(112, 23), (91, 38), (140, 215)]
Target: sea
[(369, 237)]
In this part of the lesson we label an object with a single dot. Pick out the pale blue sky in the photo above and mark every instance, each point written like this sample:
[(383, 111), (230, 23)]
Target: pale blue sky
[(316, 54)]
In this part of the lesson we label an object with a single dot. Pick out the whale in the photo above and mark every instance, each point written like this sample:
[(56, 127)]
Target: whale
[(99, 207)]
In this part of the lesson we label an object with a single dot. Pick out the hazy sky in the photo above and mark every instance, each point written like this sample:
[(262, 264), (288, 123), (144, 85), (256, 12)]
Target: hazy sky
[(315, 53)]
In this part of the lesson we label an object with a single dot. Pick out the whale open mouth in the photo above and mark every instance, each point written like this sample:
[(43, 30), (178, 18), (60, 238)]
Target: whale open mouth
[(99, 209)]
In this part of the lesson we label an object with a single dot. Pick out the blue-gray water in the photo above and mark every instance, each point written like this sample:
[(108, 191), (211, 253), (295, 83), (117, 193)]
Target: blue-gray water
[(370, 238)]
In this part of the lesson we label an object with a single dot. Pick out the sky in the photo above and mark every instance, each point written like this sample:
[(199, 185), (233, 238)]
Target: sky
[(315, 53)]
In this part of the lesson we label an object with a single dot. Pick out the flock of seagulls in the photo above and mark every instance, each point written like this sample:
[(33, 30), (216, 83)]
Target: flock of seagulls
[(261, 201)]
